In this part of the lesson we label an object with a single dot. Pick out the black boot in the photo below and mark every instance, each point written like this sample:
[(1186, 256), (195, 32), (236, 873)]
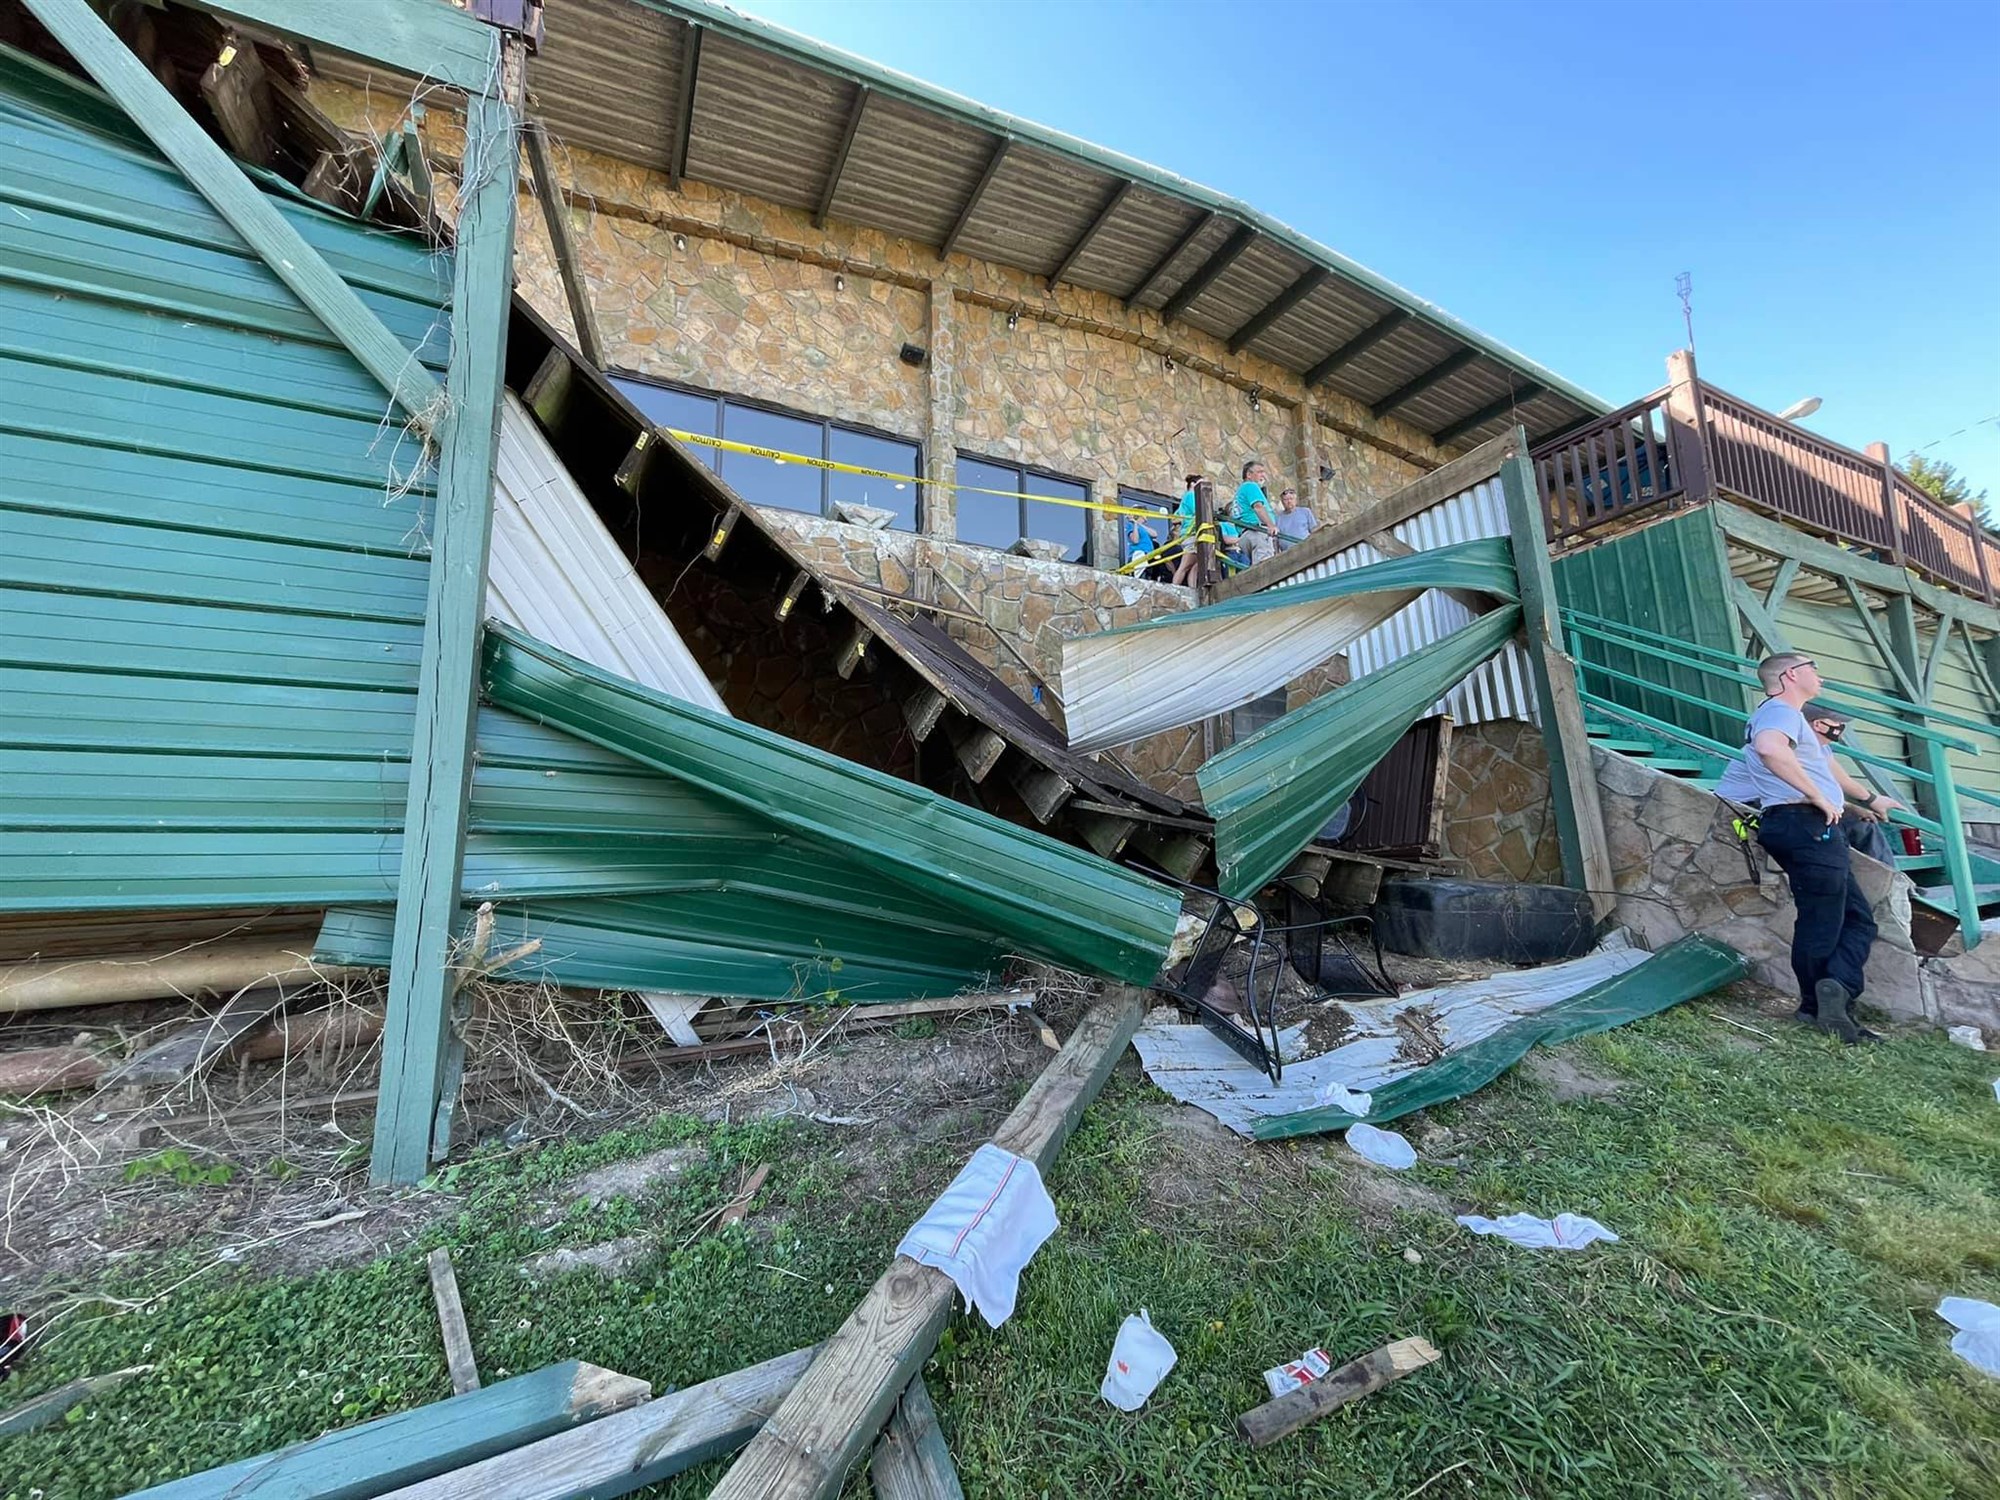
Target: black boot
[(1831, 997)]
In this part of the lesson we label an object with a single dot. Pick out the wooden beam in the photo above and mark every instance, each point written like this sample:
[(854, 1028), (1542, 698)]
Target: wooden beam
[(1083, 241), (432, 41), (921, 710), (1781, 585), (1151, 278), (630, 474), (856, 648), (1390, 545), (978, 748), (548, 389), (1261, 1426), (40, 1411), (218, 179), (1939, 797), (417, 1041), (862, 94), (1417, 496), (562, 241), (1360, 344), (794, 591), (993, 164), (1043, 790), (1277, 307), (830, 1419), (677, 154), (1757, 615), (911, 1461), (1415, 386), (1906, 674), (451, 1323), (1105, 833), (1204, 276), (1487, 413), (725, 528), (1586, 851), (1939, 645), (190, 1048), (1775, 539), (1179, 854), (239, 97), (633, 1449)]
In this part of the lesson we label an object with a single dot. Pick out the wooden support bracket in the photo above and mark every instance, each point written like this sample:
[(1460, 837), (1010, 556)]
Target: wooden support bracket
[(725, 527), (547, 392), (1042, 789), (794, 591), (978, 748), (921, 709), (854, 651), (1105, 834), (631, 471)]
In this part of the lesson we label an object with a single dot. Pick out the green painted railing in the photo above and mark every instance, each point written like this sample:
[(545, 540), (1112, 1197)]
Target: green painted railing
[(1949, 826)]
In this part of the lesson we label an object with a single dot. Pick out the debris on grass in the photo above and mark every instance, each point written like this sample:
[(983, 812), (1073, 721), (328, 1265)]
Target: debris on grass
[(1140, 1360), (1977, 1341), (1563, 1232), (1263, 1425), (1385, 1148)]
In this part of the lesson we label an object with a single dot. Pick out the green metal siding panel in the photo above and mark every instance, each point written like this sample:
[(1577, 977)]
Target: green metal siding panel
[(1670, 578)]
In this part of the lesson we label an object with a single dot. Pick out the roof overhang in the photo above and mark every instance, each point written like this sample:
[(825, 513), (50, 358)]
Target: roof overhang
[(700, 91)]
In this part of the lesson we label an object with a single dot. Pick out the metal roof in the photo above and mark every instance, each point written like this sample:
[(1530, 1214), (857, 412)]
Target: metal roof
[(699, 90)]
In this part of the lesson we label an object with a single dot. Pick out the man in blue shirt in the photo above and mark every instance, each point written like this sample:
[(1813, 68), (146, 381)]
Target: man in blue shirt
[(1255, 513), (1790, 773)]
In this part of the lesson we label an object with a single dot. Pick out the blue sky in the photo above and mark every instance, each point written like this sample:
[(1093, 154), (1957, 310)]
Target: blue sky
[(1829, 173)]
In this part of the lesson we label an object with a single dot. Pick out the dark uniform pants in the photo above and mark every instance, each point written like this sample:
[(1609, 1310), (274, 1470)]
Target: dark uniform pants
[(1835, 928)]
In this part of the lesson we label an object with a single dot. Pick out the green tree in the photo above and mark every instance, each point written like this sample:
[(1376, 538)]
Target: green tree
[(1946, 485)]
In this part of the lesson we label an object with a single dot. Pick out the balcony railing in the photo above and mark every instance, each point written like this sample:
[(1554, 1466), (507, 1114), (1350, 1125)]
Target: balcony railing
[(1692, 442)]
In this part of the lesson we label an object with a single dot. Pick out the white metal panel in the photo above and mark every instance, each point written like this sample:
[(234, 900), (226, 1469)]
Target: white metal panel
[(1498, 689), (556, 573)]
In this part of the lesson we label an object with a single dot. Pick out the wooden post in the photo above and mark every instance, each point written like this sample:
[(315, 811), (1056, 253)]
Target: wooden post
[(1892, 510), (562, 243), (911, 1460), (451, 1323), (1939, 800), (1586, 854), (1204, 530), (418, 1039), (830, 1419), (1687, 428)]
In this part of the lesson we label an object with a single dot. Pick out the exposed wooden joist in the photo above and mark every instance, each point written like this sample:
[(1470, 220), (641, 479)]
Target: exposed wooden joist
[(240, 99), (1440, 484), (1152, 277), (208, 168), (677, 155), (794, 591), (433, 41), (1444, 369), (855, 111), (418, 1044), (973, 199), (978, 748), (1390, 545), (1277, 307), (1070, 257), (630, 475), (1486, 413), (852, 653), (725, 527), (1360, 344), (830, 1419), (1204, 276), (921, 709), (1106, 834), (562, 240), (1042, 789)]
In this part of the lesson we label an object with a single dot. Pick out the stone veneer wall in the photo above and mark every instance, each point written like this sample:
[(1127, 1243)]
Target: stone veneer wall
[(746, 297), (1499, 818)]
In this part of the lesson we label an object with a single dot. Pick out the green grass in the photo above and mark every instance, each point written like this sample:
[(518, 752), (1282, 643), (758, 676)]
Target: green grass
[(1790, 1216)]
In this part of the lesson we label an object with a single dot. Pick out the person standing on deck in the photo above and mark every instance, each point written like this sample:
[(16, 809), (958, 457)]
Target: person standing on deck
[(1790, 773), (1256, 514)]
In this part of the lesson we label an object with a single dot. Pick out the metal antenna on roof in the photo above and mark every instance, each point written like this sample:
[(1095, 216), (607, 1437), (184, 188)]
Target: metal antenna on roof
[(1684, 289)]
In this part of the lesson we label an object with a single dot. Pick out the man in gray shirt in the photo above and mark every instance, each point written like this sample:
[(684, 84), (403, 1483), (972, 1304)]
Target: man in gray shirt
[(1790, 773)]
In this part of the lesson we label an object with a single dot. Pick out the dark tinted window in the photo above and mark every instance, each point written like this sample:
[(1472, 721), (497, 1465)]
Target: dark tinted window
[(989, 520), (866, 451), (770, 481), (1067, 524), (681, 410)]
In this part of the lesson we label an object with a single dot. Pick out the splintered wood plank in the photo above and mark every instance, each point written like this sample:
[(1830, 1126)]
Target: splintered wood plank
[(978, 748), (191, 1048), (451, 1323), (676, 1014), (829, 1421), (921, 709), (633, 1449), (1264, 1425), (911, 1461)]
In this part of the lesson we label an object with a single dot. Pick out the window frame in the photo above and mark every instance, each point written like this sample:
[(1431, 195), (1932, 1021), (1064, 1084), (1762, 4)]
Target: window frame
[(1023, 473), (723, 400)]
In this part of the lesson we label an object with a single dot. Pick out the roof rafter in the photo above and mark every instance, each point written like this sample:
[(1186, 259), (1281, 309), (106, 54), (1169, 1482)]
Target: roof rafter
[(1214, 266), (1487, 413), (1444, 369), (855, 111), (1278, 306), (1111, 206), (684, 116), (1180, 246), (1363, 341), (993, 164)]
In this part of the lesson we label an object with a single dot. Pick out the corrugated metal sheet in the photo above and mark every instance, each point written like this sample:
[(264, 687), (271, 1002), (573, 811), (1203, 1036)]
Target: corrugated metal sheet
[(1502, 688), (1399, 797), (556, 574), (1271, 795), (1122, 685)]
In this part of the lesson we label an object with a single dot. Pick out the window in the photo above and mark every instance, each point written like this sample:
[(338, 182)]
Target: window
[(998, 521), (1133, 530), (790, 486)]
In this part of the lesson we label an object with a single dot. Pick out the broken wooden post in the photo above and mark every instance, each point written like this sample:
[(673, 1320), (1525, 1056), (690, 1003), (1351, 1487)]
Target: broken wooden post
[(451, 1323), (1263, 1425), (911, 1461), (830, 1419), (562, 243)]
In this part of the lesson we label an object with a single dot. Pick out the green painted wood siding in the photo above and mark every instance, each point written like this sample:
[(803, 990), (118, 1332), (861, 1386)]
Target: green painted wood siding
[(1670, 578)]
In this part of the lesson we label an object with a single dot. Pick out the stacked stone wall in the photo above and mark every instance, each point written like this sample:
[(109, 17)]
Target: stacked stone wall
[(1499, 816)]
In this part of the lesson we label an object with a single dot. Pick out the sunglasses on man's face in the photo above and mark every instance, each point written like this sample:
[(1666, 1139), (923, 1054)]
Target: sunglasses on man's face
[(1831, 731)]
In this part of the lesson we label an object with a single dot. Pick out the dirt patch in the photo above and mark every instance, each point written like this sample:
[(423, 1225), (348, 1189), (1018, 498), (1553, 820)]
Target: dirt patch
[(1568, 1079), (636, 1178), (1200, 1167), (1374, 1196), (1330, 1026), (611, 1258)]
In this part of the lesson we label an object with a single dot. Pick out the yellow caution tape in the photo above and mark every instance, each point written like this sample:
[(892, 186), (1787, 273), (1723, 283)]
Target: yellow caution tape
[(778, 455)]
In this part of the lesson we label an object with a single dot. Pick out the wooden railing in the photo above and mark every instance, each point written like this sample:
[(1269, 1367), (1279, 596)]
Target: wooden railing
[(1693, 442)]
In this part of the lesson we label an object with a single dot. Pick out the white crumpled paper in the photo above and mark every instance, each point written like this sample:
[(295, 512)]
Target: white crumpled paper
[(1977, 1341), (1383, 1147), (1564, 1232), (1140, 1359), (1337, 1095)]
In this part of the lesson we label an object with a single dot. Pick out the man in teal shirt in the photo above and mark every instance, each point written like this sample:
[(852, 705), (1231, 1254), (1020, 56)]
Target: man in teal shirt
[(1255, 513)]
